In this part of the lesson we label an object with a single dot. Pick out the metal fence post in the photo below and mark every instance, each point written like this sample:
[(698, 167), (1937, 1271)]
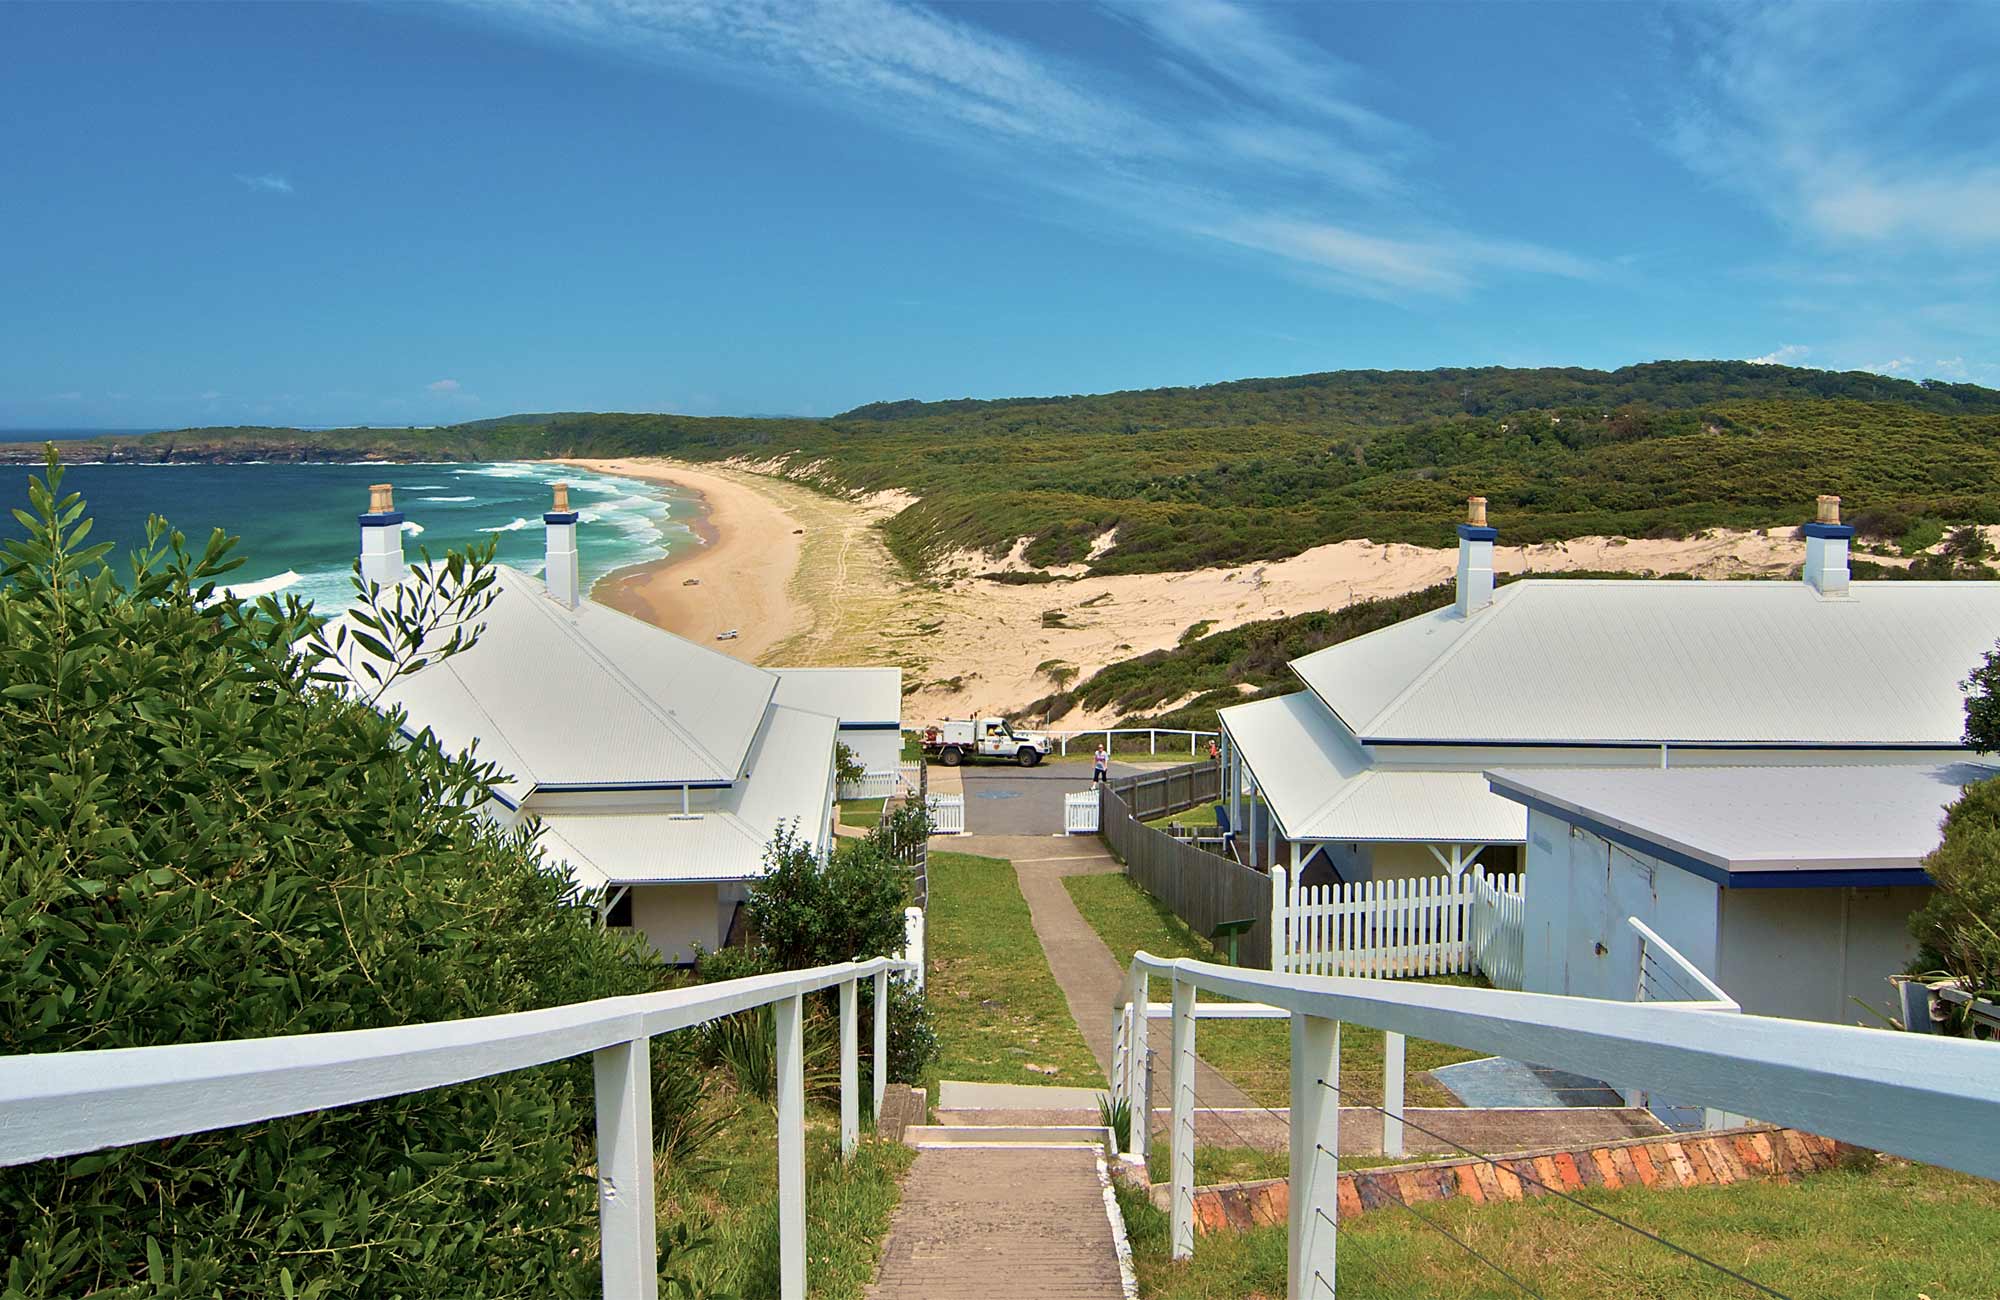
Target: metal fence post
[(1181, 1138), (850, 1067), (1315, 1201), (791, 1062), (625, 1169), (879, 1063), (1392, 1093)]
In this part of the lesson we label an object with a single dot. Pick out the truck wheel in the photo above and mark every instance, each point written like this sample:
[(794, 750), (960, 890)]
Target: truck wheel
[(1028, 756), (951, 756)]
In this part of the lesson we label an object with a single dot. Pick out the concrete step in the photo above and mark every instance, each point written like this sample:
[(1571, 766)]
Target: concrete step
[(956, 1095), (965, 1135)]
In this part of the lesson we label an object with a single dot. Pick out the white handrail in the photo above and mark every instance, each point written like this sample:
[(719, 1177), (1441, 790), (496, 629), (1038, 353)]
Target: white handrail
[(65, 1103), (1935, 1100), (1649, 939)]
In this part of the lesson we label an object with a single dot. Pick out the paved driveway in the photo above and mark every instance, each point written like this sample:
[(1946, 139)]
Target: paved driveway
[(1008, 800)]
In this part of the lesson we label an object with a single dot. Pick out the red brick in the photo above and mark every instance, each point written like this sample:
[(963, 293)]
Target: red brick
[(1698, 1160), (1567, 1177), (1510, 1186), (1608, 1167), (1747, 1154), (1765, 1155), (1412, 1190), (1468, 1184), (1489, 1181), (1633, 1166), (1349, 1199), (1682, 1166), (1723, 1159), (1545, 1169)]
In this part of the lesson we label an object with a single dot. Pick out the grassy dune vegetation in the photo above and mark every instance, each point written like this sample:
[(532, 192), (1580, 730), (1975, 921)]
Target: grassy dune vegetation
[(1259, 469)]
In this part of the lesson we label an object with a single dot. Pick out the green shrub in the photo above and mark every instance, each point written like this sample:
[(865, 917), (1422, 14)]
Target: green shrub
[(1958, 930), (198, 842)]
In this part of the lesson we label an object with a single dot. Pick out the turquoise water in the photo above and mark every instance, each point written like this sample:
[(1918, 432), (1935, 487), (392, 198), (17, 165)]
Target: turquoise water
[(301, 518)]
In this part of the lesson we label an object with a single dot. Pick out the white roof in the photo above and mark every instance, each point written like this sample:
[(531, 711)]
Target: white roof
[(1580, 661), (789, 781), (587, 698), (1762, 820), (857, 696), (1320, 784)]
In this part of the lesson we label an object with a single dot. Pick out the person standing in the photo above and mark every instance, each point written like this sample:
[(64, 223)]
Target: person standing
[(1100, 766)]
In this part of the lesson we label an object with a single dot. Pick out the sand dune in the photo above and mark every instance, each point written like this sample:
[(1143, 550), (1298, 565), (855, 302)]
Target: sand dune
[(832, 594)]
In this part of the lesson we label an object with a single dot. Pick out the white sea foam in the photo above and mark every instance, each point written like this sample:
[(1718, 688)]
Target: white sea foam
[(448, 499), (514, 527), (412, 527)]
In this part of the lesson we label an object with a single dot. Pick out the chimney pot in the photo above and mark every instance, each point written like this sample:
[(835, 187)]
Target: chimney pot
[(382, 538), (1475, 559), (1826, 568), (1829, 509), (1475, 511), (381, 499), (562, 499)]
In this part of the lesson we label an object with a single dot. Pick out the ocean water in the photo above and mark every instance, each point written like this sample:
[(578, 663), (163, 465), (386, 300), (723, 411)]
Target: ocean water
[(300, 519)]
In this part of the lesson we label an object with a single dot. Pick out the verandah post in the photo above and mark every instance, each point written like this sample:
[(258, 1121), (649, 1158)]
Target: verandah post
[(850, 1067), (1181, 1138), (791, 1061), (1393, 1047), (880, 1061), (625, 1169), (1315, 1114)]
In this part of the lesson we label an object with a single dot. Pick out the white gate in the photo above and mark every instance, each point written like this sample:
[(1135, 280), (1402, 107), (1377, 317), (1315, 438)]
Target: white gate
[(1499, 928), (947, 814), (1080, 813)]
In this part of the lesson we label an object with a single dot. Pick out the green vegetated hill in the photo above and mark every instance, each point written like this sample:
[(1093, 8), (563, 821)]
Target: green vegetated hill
[(1260, 469)]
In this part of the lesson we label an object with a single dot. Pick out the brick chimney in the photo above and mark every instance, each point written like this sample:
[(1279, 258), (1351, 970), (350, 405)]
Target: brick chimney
[(382, 538), (1826, 549), (560, 575), (1475, 558)]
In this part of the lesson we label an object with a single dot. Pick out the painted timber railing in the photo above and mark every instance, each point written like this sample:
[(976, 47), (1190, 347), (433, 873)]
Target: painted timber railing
[(1927, 1099), (1109, 735), (66, 1103)]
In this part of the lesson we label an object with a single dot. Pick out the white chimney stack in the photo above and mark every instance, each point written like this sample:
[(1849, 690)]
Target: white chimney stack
[(560, 577), (1475, 558), (1826, 549), (382, 538)]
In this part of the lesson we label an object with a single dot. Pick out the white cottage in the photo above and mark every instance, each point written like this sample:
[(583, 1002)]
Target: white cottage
[(658, 769), (1791, 887), (1375, 769)]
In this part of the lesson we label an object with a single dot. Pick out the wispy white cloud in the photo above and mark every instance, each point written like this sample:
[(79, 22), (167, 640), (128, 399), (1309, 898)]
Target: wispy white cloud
[(442, 386), (1789, 354), (1893, 366), (1277, 153), (1848, 122), (267, 183)]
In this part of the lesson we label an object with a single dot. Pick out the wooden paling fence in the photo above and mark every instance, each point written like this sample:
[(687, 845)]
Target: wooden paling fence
[(1155, 794), (1200, 888), (1499, 928), (1401, 929)]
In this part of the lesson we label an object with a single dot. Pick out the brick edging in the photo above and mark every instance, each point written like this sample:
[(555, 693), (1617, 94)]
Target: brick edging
[(1671, 1160)]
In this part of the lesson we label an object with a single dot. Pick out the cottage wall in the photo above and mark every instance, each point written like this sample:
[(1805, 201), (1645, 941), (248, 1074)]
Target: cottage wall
[(1813, 953)]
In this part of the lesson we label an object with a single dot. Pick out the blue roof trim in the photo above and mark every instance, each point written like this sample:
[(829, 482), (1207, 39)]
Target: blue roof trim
[(1834, 878), (1474, 742), (613, 787), (382, 520), (502, 800), (870, 726), (565, 517), (1477, 532), (1837, 532)]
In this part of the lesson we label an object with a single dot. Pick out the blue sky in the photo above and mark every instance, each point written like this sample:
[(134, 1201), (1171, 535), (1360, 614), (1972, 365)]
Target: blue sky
[(403, 214)]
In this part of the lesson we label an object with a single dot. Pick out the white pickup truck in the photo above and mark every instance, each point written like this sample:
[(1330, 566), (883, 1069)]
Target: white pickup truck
[(958, 740)]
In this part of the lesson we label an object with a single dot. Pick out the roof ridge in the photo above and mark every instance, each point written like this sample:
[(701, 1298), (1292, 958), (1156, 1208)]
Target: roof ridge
[(1438, 662), (630, 687)]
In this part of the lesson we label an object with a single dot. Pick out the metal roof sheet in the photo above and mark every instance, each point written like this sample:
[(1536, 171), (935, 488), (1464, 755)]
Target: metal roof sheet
[(1644, 661), (1763, 819), (788, 781), (587, 697), (857, 696), (1321, 786)]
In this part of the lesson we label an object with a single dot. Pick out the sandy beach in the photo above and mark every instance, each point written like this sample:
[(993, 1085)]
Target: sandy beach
[(806, 579)]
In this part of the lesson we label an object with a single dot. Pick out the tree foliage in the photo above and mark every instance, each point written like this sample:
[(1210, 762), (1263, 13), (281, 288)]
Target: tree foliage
[(1959, 928), (198, 842)]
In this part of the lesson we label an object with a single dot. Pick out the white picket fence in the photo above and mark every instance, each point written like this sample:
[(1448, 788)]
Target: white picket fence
[(872, 785), (1080, 813), (947, 814), (1499, 928), (1398, 929)]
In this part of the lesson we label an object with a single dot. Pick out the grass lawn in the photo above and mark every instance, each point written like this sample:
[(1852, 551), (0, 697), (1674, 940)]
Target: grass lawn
[(1256, 1055), (1885, 1229), (726, 1196), (996, 1004), (1202, 814), (861, 812)]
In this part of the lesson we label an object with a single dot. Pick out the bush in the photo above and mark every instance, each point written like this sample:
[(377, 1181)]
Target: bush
[(198, 841), (1958, 930)]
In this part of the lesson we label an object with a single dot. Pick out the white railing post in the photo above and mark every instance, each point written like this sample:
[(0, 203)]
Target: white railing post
[(1392, 1093), (1153, 742), (625, 1169), (879, 1063), (850, 1067), (1315, 1199), (1138, 1073), (791, 1069), (1283, 941), (1181, 1139)]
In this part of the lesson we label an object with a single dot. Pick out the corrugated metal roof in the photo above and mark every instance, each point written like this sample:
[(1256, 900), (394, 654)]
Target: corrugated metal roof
[(587, 697), (1763, 819), (1320, 784), (1558, 661), (788, 782), (857, 696)]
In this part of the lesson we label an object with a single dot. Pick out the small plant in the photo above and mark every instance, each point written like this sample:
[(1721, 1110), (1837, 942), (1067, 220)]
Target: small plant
[(1054, 618), (847, 765), (1116, 1116)]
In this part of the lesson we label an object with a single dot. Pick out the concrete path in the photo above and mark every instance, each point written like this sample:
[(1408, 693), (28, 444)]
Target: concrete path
[(1026, 1223), (1006, 800), (1090, 978)]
